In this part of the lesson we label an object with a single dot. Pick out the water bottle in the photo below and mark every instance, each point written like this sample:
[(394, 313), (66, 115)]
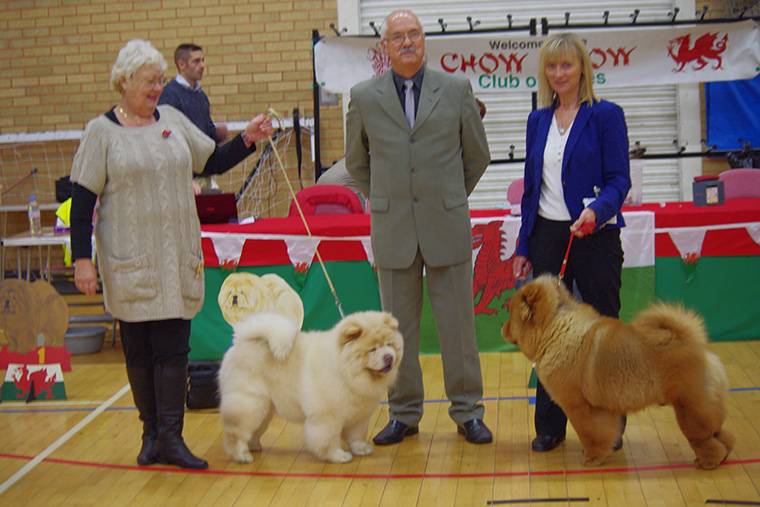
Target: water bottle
[(34, 216)]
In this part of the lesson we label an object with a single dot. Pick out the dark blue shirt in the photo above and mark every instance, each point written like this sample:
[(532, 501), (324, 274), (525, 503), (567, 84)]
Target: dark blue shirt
[(399, 82), (194, 103)]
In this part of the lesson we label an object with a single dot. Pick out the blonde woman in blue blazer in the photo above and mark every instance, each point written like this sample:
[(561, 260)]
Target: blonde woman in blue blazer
[(576, 171)]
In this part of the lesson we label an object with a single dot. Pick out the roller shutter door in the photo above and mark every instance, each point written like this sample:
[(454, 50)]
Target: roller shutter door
[(651, 112)]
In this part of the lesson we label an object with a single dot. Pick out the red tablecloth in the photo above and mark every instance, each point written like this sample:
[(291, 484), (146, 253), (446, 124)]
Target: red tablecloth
[(730, 241), (272, 250)]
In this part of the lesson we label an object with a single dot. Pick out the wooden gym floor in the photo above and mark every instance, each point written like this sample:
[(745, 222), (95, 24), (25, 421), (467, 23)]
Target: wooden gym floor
[(82, 452)]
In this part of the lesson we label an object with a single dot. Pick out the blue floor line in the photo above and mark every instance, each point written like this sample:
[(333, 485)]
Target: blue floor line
[(34, 408)]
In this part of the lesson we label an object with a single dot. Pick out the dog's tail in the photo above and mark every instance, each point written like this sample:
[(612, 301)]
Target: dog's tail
[(277, 331), (679, 323)]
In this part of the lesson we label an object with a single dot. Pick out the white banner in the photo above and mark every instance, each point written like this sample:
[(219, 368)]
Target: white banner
[(500, 62)]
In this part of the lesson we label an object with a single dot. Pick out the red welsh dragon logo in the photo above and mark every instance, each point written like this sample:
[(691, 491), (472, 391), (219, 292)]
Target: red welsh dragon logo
[(706, 47), (25, 379), (491, 274), (380, 61)]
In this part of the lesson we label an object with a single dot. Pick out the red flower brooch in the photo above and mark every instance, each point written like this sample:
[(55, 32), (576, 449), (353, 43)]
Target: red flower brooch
[(166, 133)]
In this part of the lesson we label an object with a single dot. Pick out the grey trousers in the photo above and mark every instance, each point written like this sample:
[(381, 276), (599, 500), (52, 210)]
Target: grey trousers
[(450, 294)]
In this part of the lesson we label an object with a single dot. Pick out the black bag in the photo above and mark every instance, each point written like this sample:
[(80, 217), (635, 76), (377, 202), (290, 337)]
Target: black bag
[(746, 158), (63, 188), (202, 386)]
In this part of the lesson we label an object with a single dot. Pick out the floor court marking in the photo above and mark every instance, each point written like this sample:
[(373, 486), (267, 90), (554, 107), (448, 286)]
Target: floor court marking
[(233, 473), (71, 405), (66, 436)]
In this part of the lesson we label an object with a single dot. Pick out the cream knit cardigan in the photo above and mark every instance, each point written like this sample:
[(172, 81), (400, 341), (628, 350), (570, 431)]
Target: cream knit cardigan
[(147, 232)]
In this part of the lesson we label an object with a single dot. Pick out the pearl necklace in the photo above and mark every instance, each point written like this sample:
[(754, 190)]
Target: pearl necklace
[(127, 117), (561, 122)]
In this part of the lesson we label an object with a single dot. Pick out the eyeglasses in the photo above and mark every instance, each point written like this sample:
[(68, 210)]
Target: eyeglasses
[(398, 38), (152, 83)]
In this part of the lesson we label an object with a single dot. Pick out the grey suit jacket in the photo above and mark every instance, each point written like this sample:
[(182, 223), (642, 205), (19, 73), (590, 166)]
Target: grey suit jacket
[(417, 180)]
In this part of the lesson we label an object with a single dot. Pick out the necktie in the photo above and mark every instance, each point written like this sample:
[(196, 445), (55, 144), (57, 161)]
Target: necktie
[(409, 102)]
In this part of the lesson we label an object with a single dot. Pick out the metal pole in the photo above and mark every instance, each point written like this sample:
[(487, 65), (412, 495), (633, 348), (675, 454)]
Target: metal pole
[(315, 89)]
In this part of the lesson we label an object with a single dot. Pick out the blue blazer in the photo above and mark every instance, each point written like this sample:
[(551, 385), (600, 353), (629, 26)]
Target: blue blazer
[(596, 155)]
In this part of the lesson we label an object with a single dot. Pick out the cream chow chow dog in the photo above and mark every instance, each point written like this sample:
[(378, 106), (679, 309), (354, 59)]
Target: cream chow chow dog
[(243, 293), (331, 381)]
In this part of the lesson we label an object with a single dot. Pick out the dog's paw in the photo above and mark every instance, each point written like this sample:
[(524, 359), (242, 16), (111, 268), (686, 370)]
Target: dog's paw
[(727, 439), (714, 451), (254, 445), (243, 458), (708, 461), (360, 448), (592, 462), (593, 459), (237, 450), (338, 456), (706, 464)]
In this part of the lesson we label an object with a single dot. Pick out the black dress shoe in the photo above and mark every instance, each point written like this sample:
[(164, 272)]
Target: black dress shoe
[(475, 432), (543, 443), (394, 432)]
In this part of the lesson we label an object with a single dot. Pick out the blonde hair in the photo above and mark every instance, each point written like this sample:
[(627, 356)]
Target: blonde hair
[(554, 47), (131, 57)]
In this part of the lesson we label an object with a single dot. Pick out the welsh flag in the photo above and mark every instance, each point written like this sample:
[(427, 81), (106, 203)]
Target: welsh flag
[(25, 382), (494, 243)]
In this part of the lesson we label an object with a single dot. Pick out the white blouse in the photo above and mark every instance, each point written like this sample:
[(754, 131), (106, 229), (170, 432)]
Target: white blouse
[(551, 204)]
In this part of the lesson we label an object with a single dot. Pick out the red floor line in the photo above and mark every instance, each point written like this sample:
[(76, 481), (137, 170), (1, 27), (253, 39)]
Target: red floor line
[(583, 471)]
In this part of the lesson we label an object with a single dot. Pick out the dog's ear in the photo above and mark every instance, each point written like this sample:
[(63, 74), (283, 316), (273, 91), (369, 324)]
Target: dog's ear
[(530, 294), (350, 330), (391, 321), (541, 300)]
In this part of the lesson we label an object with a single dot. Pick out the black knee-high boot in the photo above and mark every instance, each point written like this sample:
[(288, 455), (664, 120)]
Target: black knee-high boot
[(171, 389), (144, 394)]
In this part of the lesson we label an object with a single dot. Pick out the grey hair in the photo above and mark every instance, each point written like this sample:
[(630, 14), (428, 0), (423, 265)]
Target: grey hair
[(384, 26), (132, 56)]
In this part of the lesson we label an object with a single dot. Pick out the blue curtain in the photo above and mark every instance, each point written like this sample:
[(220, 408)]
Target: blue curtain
[(733, 112)]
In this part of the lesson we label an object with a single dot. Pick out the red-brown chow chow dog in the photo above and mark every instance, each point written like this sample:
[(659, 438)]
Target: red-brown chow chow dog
[(598, 368)]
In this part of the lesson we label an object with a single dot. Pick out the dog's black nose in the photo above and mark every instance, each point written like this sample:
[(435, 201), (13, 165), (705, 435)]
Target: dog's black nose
[(388, 359), (234, 300)]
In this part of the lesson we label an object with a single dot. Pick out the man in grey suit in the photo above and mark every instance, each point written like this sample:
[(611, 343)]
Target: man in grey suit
[(415, 145)]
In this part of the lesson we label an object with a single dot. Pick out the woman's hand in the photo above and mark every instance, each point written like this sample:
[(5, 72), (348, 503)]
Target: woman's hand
[(258, 128), (521, 266), (85, 276), (585, 224)]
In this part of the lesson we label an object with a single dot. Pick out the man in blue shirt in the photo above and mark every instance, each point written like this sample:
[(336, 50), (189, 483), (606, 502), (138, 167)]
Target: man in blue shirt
[(184, 92)]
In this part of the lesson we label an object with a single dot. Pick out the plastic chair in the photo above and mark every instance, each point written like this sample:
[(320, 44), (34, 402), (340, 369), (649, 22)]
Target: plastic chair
[(515, 191), (326, 200), (740, 183)]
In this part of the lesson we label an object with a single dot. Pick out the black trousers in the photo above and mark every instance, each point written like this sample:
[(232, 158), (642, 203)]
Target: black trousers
[(595, 265), (155, 342)]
